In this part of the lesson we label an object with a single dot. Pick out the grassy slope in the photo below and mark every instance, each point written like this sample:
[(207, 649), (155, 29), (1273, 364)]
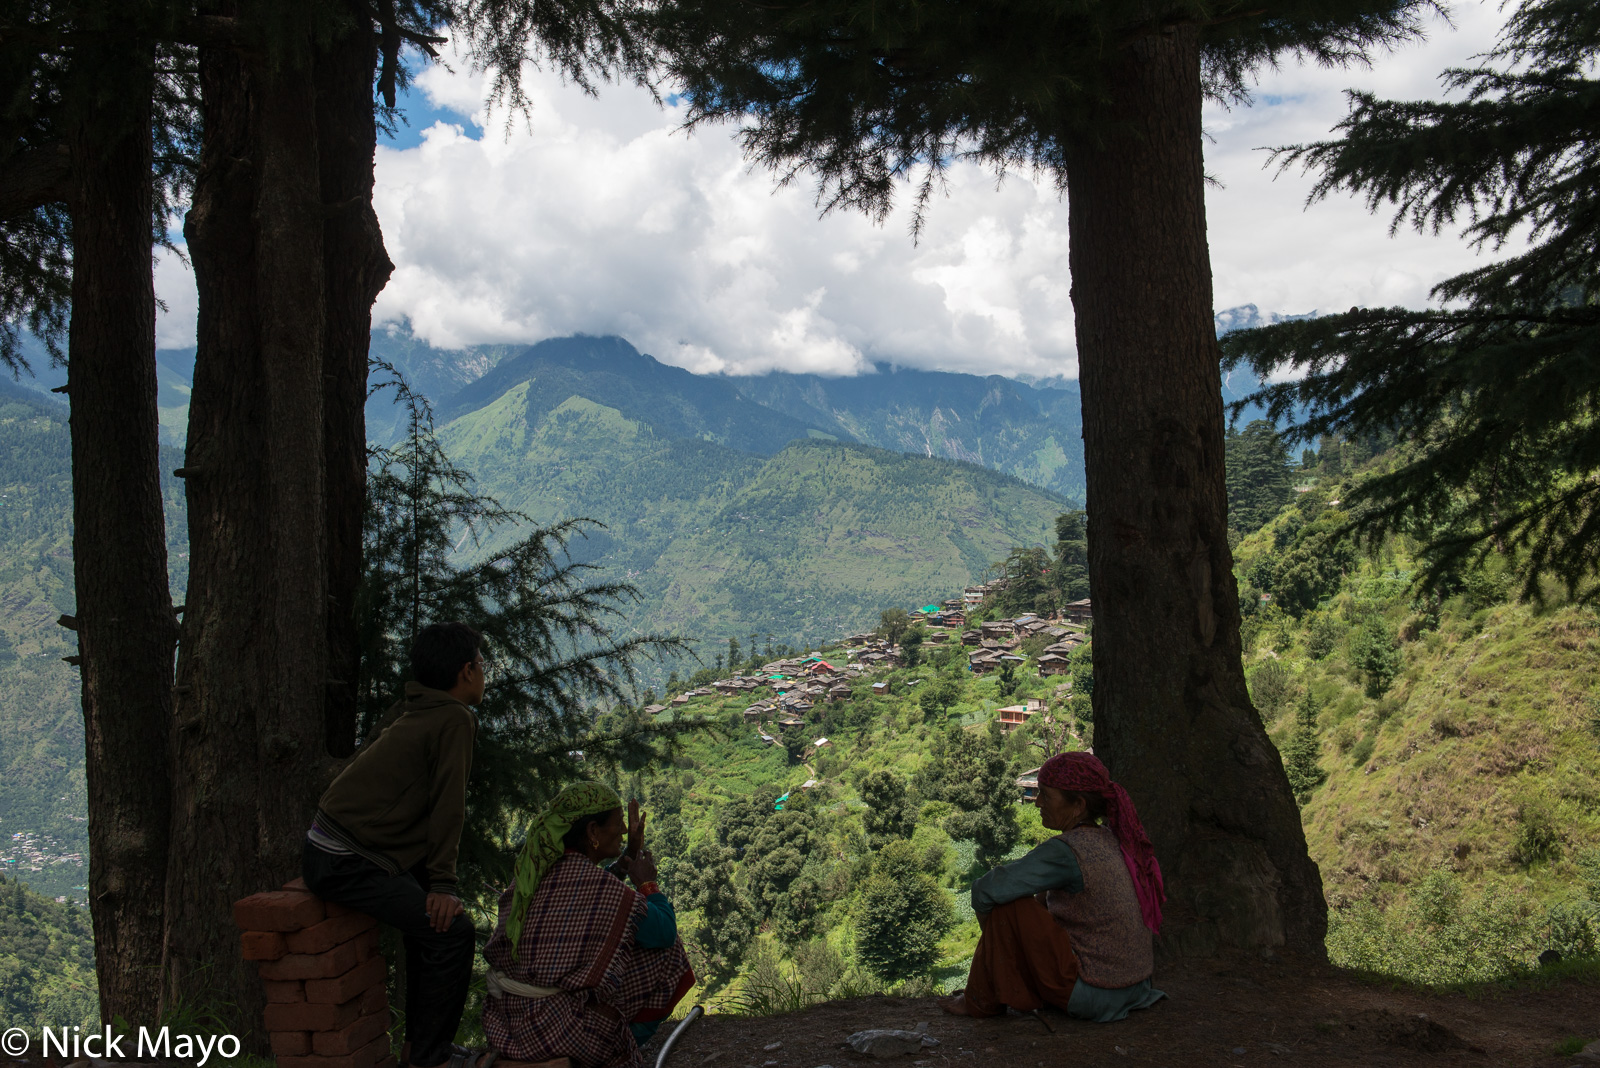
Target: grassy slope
[(1473, 780)]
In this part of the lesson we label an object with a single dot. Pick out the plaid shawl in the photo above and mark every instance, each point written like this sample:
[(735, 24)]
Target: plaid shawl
[(577, 936), (543, 847)]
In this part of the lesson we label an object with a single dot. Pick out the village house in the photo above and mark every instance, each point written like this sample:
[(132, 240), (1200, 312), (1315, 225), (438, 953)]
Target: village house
[(983, 661), (971, 637), (1054, 664), (996, 631), (653, 710), (681, 699), (840, 692), (880, 688), (1079, 612), (1028, 783), (1014, 716)]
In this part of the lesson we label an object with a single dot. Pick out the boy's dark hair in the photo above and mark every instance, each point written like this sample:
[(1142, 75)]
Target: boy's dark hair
[(440, 651)]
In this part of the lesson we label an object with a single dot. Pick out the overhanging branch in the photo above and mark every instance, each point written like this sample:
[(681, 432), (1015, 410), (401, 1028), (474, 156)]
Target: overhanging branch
[(35, 178)]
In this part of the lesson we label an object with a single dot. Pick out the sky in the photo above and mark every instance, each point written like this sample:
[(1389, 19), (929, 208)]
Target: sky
[(601, 216)]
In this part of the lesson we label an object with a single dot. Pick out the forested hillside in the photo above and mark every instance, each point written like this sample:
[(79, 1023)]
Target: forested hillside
[(41, 729), (1445, 740), (46, 962), (1445, 745), (806, 545)]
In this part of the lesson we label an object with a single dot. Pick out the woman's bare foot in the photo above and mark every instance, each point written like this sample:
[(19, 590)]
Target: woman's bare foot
[(957, 1005)]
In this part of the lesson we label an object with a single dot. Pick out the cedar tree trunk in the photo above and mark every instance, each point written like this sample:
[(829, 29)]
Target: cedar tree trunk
[(1173, 719), (249, 742), (126, 629), (356, 269)]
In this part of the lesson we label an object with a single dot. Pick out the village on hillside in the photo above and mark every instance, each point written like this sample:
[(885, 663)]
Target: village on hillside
[(783, 692)]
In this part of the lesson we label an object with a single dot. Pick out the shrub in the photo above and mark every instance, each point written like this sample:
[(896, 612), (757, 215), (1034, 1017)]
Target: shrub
[(1271, 687), (1438, 937), (1323, 636), (1375, 653), (1538, 838), (901, 916), (1361, 752)]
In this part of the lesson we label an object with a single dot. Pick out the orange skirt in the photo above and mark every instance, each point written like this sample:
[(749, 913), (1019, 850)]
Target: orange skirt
[(1024, 959)]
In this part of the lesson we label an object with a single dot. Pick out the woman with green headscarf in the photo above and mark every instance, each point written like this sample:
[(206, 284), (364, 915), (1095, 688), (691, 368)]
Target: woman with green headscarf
[(581, 966)]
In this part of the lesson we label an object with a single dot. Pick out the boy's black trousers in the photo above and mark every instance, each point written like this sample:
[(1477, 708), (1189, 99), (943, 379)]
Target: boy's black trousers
[(438, 963)]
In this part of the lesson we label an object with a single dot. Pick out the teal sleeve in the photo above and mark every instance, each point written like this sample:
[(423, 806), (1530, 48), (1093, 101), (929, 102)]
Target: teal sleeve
[(1050, 866), (659, 928)]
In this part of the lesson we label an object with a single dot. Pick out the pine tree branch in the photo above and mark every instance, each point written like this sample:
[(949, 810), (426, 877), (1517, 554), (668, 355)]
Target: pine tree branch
[(35, 178)]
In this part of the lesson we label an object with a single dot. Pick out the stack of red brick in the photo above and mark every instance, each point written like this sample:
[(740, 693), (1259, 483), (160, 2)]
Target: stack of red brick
[(327, 1002)]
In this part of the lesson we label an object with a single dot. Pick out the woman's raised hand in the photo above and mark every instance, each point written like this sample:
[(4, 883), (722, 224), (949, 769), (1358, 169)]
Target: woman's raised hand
[(636, 818), (643, 868)]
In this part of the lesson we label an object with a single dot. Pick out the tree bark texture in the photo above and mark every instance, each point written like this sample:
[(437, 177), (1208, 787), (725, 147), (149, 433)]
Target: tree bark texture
[(356, 269), (1173, 718), (125, 623), (248, 749)]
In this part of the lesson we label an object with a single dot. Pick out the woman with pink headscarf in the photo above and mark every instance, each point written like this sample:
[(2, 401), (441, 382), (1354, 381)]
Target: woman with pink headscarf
[(1072, 923)]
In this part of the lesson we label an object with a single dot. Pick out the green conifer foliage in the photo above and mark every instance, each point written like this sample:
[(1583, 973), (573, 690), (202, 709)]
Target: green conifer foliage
[(547, 633), (1376, 654), (890, 815), (727, 923), (901, 916), (1305, 746), (1496, 390), (1071, 574), (970, 771), (1259, 477)]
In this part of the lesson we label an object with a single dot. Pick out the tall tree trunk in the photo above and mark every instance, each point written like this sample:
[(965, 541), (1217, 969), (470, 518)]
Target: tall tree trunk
[(249, 745), (1173, 719), (125, 623), (356, 269)]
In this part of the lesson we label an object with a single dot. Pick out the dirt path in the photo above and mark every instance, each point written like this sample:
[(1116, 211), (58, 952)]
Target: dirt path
[(1219, 1015)]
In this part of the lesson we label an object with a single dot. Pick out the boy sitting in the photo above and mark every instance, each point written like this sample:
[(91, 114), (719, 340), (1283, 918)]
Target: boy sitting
[(386, 834)]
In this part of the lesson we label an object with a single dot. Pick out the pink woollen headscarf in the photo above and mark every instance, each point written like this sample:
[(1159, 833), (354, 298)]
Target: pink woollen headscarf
[(1082, 773)]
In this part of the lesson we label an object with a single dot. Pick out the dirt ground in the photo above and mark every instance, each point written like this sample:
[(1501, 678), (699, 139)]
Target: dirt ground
[(1222, 1014)]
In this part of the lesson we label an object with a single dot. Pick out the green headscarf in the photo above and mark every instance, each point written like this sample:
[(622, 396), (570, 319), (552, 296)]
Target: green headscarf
[(543, 846)]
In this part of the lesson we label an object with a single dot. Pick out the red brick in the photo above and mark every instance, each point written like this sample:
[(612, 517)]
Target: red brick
[(277, 910), (351, 1038), (352, 984), (388, 1062), (322, 937), (287, 991), (298, 883), (334, 962), (365, 1057), (291, 1043), (376, 997), (300, 1016), (336, 909), (263, 945)]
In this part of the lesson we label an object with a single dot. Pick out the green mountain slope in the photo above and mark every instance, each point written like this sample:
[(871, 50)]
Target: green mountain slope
[(42, 790), (1452, 740), (1034, 434), (46, 962), (809, 543), (609, 371), (41, 730)]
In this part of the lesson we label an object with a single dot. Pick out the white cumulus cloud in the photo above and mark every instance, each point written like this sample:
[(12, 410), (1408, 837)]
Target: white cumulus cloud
[(598, 215)]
